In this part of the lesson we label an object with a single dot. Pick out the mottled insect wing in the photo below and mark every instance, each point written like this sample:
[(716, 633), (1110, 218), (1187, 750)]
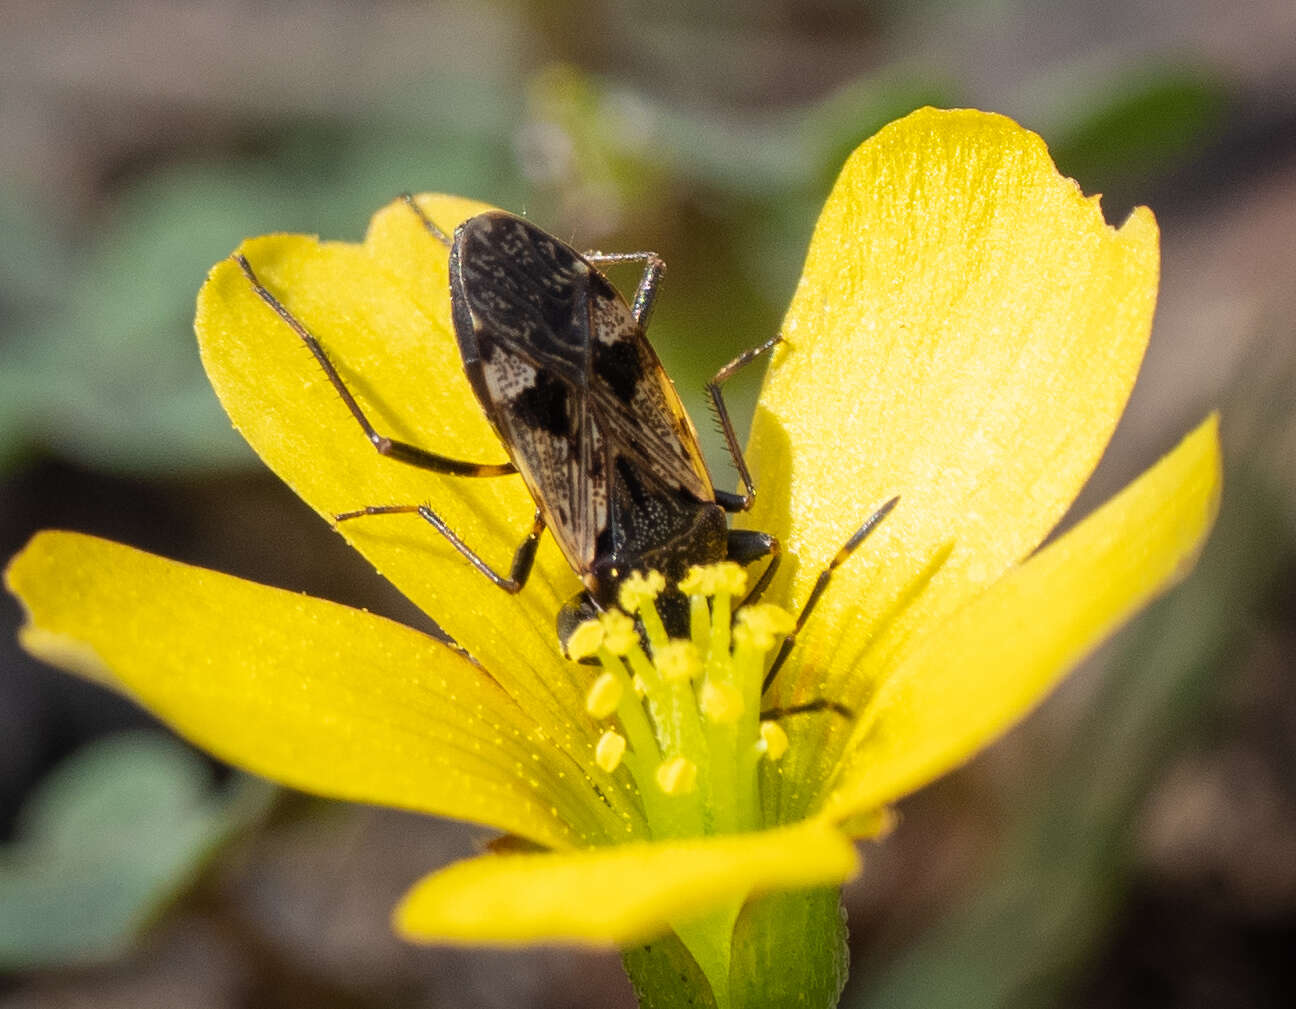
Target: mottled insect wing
[(566, 376)]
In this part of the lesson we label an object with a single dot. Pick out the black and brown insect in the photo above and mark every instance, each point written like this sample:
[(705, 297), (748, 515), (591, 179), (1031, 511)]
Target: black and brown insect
[(589, 419)]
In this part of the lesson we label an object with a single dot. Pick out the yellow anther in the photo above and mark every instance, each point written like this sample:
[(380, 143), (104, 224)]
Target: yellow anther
[(619, 634), (762, 625), (585, 640), (721, 703), (641, 589), (773, 740), (609, 750), (723, 577), (604, 695), (677, 776), (677, 661)]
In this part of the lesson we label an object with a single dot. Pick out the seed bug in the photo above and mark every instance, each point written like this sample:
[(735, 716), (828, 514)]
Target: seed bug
[(588, 418)]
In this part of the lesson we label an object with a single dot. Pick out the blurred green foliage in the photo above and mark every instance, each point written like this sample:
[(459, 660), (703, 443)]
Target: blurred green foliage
[(97, 360), (106, 841)]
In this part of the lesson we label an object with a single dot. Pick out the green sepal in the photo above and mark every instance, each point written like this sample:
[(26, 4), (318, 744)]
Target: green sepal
[(665, 976), (789, 950)]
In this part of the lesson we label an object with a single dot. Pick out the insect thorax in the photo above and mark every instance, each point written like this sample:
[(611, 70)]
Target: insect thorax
[(656, 533)]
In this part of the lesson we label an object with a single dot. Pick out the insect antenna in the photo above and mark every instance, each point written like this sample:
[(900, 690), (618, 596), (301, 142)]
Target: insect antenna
[(825, 576), (432, 229)]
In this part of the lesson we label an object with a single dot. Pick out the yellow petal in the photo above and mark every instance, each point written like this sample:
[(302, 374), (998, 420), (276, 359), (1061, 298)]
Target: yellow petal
[(309, 693), (965, 336), (617, 896), (388, 333), (970, 679)]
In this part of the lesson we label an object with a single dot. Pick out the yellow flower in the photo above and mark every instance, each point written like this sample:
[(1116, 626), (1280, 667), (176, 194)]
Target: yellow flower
[(965, 336)]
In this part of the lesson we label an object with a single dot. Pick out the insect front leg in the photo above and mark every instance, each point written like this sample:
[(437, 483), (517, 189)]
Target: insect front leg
[(825, 576), (736, 502), (390, 447), (523, 557), (646, 294)]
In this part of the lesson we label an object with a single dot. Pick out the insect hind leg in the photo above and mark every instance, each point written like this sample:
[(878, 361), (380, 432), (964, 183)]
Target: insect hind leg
[(399, 450), (736, 502), (523, 557), (820, 585)]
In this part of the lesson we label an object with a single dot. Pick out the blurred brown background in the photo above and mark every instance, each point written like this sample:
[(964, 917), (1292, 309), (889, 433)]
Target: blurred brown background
[(1134, 844)]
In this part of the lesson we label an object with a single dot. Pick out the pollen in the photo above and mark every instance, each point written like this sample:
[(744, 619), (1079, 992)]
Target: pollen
[(677, 776), (610, 749), (773, 741), (585, 640), (619, 634), (678, 661), (721, 578), (762, 625), (721, 703), (604, 695), (641, 589), (683, 714)]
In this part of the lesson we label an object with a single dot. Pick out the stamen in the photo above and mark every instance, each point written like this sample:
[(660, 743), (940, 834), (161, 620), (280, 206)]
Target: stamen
[(641, 589), (721, 703), (619, 635), (677, 776), (585, 640), (604, 695), (678, 661), (762, 625), (610, 749), (721, 578), (773, 741), (687, 712)]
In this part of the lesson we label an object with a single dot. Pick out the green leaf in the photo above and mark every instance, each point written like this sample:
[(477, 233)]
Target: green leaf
[(110, 837)]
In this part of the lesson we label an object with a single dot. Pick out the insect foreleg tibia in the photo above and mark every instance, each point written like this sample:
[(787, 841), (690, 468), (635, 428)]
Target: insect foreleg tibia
[(523, 557), (402, 451), (734, 502), (646, 294), (432, 229), (825, 576)]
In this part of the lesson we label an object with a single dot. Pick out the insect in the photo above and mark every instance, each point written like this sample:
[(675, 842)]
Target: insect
[(588, 417)]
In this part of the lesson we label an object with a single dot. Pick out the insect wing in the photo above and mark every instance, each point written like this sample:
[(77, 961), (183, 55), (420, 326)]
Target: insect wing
[(566, 377)]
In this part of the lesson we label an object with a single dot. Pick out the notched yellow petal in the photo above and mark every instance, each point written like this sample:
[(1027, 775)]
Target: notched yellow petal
[(967, 680), (376, 310), (614, 897), (965, 335)]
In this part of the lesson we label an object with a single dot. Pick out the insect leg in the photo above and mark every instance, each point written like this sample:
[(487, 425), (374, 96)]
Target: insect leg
[(774, 714), (736, 502), (746, 546), (523, 557), (399, 450), (646, 294), (825, 576), (432, 229)]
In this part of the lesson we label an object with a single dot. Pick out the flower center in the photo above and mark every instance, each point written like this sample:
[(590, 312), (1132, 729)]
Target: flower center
[(684, 715)]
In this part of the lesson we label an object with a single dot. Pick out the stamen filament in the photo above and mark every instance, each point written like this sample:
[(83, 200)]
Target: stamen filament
[(689, 710)]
